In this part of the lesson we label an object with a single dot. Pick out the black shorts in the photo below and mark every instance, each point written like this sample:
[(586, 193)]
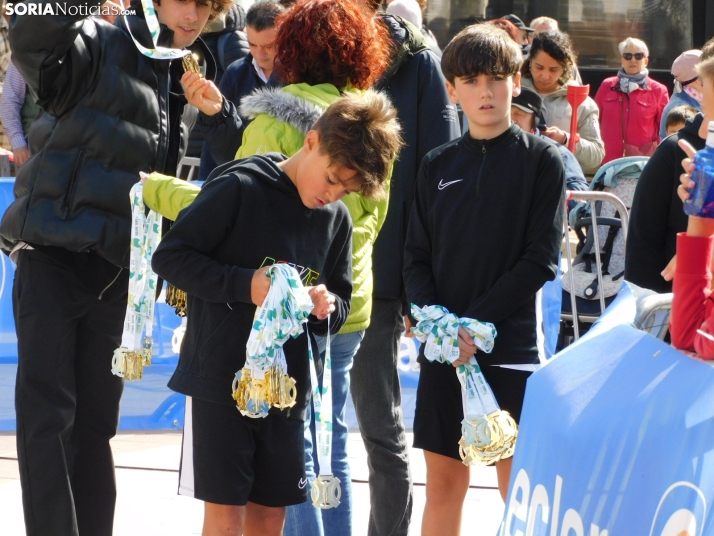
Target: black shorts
[(439, 410), (230, 459)]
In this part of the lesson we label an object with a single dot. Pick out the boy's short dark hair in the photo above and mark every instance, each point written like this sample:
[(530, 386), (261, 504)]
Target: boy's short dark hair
[(361, 132), (481, 49), (261, 15), (679, 114)]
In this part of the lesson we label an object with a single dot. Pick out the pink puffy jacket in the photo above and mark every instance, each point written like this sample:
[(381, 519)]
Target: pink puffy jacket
[(632, 119)]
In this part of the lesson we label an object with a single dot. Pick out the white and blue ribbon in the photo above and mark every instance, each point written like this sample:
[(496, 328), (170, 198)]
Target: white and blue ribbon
[(326, 491), (136, 344), (152, 21)]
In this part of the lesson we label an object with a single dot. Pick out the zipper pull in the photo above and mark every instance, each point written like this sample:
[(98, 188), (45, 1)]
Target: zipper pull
[(483, 147)]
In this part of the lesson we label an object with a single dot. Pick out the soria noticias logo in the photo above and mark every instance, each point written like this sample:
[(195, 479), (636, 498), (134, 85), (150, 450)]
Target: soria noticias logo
[(61, 8)]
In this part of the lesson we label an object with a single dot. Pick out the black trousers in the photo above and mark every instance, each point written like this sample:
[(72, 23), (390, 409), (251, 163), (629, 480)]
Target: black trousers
[(377, 396), (66, 398)]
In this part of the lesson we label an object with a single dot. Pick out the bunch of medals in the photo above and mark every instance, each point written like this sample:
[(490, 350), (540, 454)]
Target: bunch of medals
[(488, 434), (136, 346), (176, 298), (264, 382)]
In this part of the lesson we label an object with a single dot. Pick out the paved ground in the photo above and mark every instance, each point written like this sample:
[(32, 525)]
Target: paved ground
[(147, 504)]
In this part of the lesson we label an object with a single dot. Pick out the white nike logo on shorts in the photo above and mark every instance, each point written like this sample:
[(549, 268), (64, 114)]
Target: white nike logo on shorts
[(443, 184), (302, 483)]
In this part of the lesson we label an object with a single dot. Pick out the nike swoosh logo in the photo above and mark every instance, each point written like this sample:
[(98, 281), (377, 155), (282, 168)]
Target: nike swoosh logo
[(443, 184), (302, 483)]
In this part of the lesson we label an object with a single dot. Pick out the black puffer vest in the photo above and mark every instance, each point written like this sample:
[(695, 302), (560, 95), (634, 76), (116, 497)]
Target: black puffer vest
[(117, 112)]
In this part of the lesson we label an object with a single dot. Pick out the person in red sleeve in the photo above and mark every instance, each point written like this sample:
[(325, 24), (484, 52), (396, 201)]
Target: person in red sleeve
[(692, 323)]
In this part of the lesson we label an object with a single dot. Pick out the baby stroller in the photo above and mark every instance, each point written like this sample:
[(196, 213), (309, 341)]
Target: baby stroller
[(594, 277)]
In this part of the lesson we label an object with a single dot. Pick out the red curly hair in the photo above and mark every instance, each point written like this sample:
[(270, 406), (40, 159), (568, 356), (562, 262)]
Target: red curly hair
[(331, 41), (507, 25)]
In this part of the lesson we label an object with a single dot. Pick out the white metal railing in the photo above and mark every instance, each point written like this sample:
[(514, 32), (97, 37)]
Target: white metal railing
[(592, 198)]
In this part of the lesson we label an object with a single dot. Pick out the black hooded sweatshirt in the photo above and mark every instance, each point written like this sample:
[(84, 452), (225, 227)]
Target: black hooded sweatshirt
[(248, 217), (485, 233), (657, 213)]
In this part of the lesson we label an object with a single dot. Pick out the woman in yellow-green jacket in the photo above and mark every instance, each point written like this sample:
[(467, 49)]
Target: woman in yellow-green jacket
[(325, 48)]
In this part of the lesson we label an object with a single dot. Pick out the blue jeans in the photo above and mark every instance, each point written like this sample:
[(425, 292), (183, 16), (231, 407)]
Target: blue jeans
[(304, 519)]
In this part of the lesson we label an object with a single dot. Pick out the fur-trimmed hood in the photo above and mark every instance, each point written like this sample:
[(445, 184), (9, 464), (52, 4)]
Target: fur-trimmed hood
[(286, 107), (298, 105)]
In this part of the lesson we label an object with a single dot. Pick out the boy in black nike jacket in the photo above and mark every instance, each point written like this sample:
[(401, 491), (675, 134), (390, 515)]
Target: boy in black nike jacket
[(483, 237), (256, 212)]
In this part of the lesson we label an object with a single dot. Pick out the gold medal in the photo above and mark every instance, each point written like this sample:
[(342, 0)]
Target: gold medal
[(280, 388), (190, 64)]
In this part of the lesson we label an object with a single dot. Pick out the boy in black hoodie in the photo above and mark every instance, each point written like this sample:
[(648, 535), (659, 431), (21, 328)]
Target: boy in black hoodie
[(256, 212), (483, 237)]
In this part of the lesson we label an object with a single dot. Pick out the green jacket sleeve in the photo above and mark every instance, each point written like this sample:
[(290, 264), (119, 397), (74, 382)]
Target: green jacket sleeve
[(168, 195)]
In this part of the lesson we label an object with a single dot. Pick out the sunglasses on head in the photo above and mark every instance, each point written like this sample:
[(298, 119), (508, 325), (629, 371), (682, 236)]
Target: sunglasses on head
[(638, 55)]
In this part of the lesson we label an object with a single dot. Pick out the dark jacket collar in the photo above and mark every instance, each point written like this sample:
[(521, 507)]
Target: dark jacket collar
[(493, 143)]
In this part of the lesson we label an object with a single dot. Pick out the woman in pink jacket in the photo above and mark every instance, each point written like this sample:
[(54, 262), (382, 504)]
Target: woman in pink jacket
[(631, 105)]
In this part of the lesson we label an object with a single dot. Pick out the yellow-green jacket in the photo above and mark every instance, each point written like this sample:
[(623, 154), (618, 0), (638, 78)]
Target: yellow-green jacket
[(283, 116)]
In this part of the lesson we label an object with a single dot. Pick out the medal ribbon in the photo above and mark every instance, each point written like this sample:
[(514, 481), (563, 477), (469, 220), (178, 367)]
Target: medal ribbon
[(285, 309), (326, 491), (152, 21), (487, 433), (135, 351)]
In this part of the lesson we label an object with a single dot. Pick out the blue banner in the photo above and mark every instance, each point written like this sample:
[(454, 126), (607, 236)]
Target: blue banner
[(616, 438)]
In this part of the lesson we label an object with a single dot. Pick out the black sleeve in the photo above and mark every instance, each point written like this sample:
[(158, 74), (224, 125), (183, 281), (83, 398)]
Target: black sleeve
[(418, 275), (437, 121), (222, 132), (183, 257), (437, 118), (337, 279), (539, 262), (649, 219), (57, 60)]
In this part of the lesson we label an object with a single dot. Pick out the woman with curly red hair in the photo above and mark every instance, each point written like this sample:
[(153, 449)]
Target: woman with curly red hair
[(325, 48), (507, 25)]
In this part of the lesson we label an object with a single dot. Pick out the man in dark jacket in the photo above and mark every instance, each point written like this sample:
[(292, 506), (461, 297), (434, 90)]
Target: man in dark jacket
[(240, 79), (117, 106), (657, 214), (416, 86)]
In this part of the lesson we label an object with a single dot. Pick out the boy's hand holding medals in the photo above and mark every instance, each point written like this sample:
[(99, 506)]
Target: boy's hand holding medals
[(201, 93)]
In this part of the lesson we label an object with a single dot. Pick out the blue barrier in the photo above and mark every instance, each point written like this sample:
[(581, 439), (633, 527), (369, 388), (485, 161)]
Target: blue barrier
[(616, 437)]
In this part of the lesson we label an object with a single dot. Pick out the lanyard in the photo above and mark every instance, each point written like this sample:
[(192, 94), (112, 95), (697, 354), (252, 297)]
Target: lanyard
[(158, 53), (438, 329), (263, 382), (135, 352), (487, 433), (326, 491)]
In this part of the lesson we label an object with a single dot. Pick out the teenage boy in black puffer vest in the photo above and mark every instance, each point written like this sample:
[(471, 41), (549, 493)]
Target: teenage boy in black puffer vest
[(118, 112)]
